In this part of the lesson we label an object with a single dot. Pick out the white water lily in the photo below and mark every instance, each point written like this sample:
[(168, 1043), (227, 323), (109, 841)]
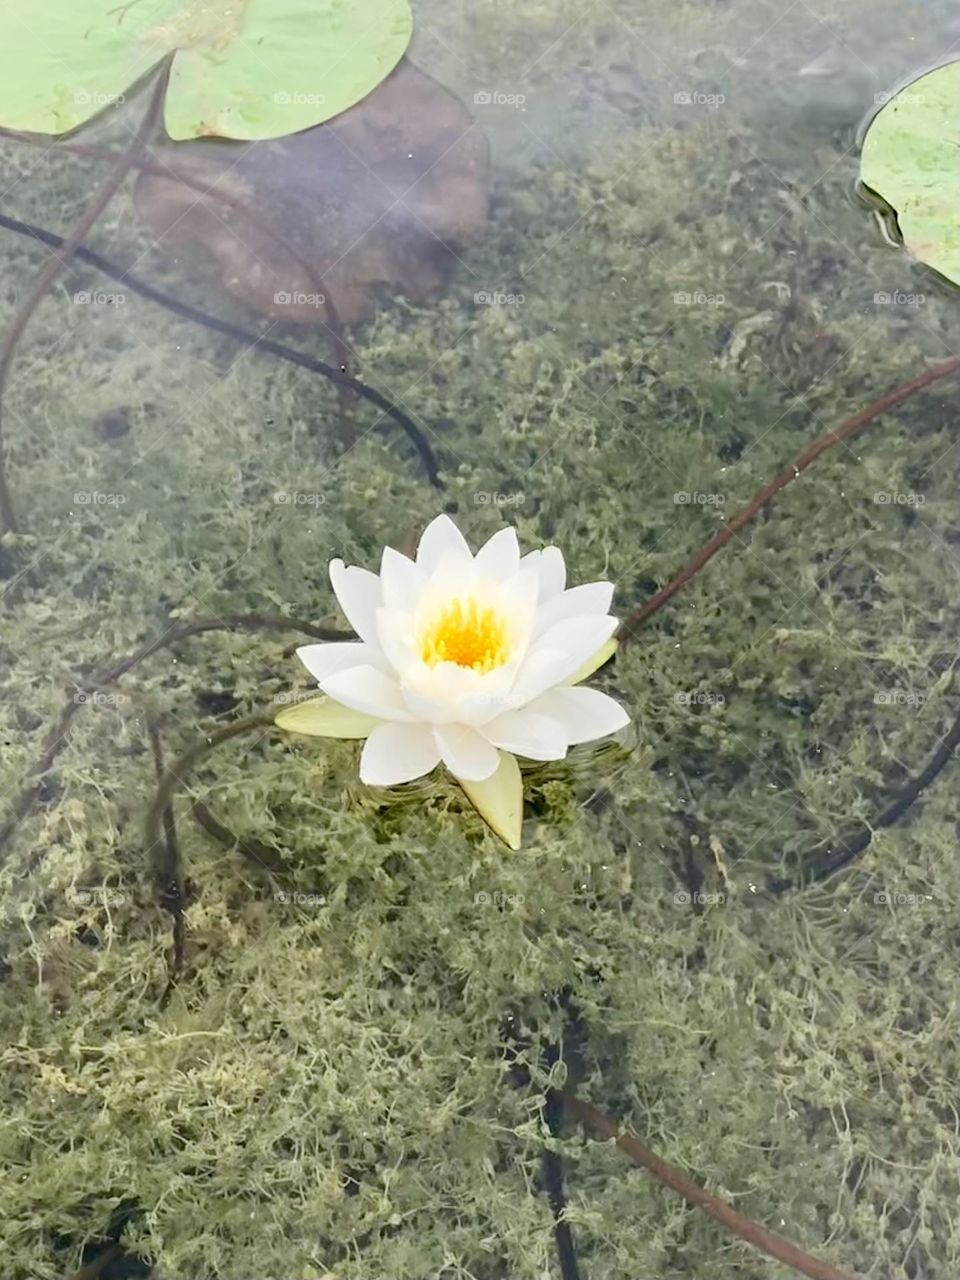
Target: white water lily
[(465, 660)]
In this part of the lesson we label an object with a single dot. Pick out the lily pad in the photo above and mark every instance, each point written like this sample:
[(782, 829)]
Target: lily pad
[(911, 159), (246, 69)]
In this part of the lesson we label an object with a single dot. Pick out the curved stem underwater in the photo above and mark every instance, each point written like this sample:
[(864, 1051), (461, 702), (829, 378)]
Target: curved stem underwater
[(58, 262), (768, 1242), (836, 435)]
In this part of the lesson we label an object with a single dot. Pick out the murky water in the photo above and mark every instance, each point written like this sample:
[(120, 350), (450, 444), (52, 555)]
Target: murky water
[(603, 275)]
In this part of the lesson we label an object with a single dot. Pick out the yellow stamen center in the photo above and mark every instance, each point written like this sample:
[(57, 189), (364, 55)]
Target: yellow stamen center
[(467, 633)]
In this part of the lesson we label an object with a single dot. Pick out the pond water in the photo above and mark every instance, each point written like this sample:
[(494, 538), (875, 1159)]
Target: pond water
[(606, 273)]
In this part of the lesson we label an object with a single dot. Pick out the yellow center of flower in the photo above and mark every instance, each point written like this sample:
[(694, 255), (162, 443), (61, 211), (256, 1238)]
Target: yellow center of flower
[(467, 633)]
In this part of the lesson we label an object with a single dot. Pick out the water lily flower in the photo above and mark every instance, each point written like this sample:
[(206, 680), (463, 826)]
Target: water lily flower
[(469, 660)]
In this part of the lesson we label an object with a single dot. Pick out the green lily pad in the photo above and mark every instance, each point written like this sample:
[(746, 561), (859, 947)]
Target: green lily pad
[(246, 69), (911, 158)]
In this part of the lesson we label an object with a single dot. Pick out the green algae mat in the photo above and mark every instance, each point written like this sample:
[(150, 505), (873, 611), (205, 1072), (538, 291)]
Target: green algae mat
[(321, 1051)]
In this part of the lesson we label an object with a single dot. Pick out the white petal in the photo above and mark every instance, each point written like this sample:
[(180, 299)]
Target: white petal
[(499, 558), (553, 573), (499, 800), (396, 753), (578, 602), (369, 690), (468, 756), (360, 596), (400, 580), (441, 539), (527, 734), (323, 660), (586, 714), (560, 653)]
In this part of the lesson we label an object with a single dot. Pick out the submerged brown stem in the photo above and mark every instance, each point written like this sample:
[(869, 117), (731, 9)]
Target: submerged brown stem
[(168, 872), (767, 1242), (57, 262), (56, 738), (175, 777), (765, 496)]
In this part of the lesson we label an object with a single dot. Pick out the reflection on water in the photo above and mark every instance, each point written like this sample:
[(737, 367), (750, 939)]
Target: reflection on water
[(303, 1028)]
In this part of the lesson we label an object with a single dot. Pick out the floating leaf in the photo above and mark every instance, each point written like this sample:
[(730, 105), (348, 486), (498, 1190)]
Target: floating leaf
[(499, 800), (911, 158), (323, 718), (381, 197), (241, 69)]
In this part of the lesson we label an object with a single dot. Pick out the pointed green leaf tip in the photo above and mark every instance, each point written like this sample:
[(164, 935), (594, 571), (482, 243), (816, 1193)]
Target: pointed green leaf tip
[(603, 654), (247, 69), (323, 718), (499, 800), (910, 158)]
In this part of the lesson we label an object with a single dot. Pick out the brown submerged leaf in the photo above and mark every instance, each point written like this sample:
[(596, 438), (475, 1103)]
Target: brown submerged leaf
[(381, 197)]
